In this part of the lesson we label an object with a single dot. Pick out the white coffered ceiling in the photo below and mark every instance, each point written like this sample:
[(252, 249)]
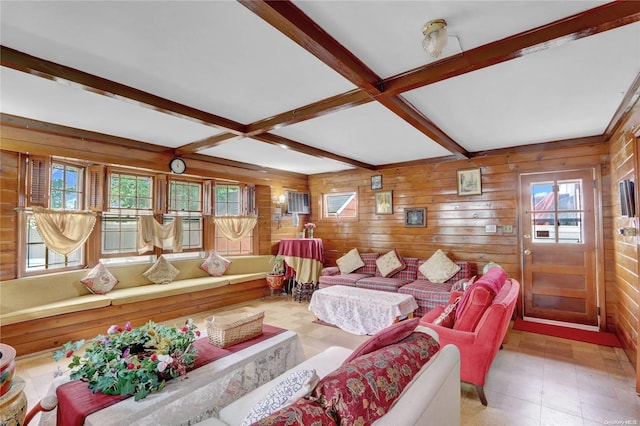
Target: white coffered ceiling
[(342, 84)]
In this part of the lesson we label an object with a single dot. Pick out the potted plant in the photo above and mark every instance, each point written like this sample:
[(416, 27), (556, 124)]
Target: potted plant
[(275, 278)]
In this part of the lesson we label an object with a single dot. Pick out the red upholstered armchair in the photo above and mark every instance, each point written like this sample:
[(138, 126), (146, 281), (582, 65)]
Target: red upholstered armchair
[(480, 343)]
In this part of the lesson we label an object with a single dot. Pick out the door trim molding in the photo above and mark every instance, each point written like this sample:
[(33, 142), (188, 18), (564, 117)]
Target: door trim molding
[(596, 171)]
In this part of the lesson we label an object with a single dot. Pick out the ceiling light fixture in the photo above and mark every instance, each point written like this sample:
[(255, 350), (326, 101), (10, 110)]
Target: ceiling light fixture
[(435, 36)]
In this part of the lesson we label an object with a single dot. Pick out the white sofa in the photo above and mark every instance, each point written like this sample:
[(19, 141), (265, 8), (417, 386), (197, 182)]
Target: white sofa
[(432, 397)]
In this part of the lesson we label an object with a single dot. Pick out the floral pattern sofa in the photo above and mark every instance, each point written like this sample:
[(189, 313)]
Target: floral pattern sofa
[(401, 376), (409, 280)]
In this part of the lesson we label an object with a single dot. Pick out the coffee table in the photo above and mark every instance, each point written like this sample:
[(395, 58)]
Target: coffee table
[(359, 310), (207, 389)]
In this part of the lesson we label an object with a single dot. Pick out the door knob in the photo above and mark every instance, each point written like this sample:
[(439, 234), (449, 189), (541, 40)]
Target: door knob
[(527, 252), (527, 236)]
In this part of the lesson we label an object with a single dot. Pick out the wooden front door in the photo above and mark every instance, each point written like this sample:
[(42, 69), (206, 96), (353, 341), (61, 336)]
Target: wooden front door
[(559, 246)]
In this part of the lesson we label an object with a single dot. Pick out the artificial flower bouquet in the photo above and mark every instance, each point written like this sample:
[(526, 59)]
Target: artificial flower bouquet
[(133, 361)]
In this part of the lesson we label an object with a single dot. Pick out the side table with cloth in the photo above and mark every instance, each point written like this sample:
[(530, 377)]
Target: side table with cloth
[(205, 391), (360, 310), (304, 259)]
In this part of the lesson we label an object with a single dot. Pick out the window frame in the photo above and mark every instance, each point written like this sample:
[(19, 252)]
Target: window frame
[(125, 211), (322, 201), (42, 183), (200, 214), (245, 204)]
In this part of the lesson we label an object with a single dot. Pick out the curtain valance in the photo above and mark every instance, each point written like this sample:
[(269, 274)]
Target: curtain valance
[(63, 231), (235, 228)]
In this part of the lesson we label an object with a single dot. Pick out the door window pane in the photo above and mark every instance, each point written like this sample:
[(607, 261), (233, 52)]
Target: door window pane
[(556, 212)]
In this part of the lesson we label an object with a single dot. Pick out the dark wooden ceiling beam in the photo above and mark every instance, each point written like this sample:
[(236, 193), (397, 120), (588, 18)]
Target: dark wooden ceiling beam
[(309, 150), (411, 115), (20, 61), (326, 106), (57, 129), (564, 143), (630, 99), (603, 18), (206, 143), (292, 22)]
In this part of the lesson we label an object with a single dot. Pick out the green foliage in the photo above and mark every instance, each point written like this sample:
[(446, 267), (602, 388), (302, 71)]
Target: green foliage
[(133, 361)]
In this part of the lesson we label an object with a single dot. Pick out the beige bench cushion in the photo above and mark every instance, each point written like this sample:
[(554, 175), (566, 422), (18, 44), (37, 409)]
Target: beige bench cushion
[(75, 304), (241, 278)]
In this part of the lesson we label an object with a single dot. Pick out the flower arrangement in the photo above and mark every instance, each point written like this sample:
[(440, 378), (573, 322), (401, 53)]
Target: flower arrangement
[(133, 361), (310, 227)]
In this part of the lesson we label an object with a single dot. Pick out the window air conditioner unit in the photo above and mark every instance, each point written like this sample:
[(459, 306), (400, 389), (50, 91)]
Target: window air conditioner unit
[(298, 202)]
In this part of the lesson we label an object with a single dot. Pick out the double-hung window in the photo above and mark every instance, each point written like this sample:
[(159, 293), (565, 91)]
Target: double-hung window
[(130, 196), (185, 201), (234, 200), (57, 185)]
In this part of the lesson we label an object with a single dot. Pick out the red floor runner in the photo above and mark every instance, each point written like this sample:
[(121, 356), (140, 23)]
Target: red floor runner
[(597, 337)]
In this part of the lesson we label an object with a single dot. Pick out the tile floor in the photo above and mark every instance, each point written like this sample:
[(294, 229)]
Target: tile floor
[(534, 380)]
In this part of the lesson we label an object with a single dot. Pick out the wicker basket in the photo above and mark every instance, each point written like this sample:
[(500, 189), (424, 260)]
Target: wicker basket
[(229, 328)]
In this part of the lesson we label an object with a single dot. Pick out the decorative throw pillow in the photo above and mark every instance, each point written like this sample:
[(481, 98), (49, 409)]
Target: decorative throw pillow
[(215, 265), (390, 263), (99, 280), (439, 268), (448, 316), (385, 337), (350, 262), (162, 272), (301, 412), (364, 390), (297, 385)]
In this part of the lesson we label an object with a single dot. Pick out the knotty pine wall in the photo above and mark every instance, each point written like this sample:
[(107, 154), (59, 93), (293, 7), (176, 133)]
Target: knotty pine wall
[(8, 217), (456, 224), (626, 289)]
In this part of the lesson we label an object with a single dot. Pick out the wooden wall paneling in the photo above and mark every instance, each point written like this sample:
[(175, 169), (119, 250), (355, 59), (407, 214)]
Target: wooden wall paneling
[(455, 223), (9, 172), (624, 164)]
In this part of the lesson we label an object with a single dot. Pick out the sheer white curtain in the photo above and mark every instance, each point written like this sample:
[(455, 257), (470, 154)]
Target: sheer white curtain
[(63, 231), (235, 228)]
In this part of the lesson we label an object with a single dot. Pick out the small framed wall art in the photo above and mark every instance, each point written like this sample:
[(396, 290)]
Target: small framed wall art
[(469, 182), (376, 182), (384, 202), (416, 217)]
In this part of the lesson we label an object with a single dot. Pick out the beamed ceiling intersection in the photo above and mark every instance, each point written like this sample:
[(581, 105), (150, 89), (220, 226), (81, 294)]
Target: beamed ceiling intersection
[(288, 19)]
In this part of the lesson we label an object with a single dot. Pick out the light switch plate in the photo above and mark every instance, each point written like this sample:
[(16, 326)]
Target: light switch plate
[(507, 229), (490, 228)]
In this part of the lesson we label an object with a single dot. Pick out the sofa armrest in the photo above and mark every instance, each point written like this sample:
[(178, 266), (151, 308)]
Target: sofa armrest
[(330, 270), (431, 316)]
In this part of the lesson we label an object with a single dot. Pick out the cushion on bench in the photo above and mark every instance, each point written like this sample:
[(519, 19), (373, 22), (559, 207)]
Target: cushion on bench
[(75, 304)]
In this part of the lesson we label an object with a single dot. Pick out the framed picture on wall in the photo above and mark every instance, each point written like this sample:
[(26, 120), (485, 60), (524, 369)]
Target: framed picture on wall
[(469, 182), (384, 202), (376, 182), (416, 217)]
